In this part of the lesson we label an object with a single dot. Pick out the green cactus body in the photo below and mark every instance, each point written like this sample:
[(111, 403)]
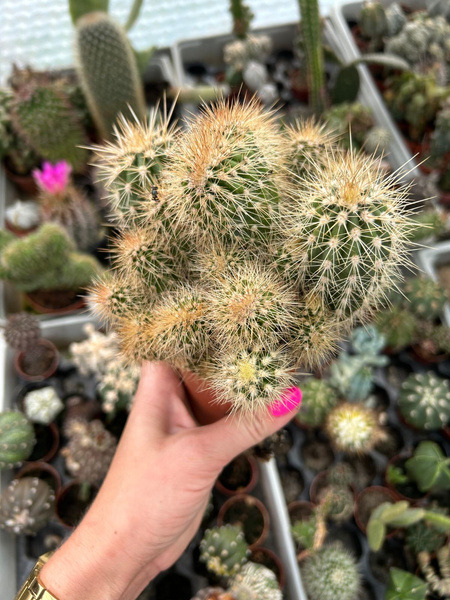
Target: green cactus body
[(307, 140), (224, 550), (311, 28), (423, 538), (44, 117), (130, 168), (345, 234), (317, 400), (398, 326), (353, 428), (331, 573), (424, 401), (108, 71), (426, 297), (89, 451), (255, 582), (242, 18), (112, 297), (16, 439), (440, 138), (396, 19), (431, 224), (377, 141), (351, 122), (373, 20), (26, 506), (225, 175)]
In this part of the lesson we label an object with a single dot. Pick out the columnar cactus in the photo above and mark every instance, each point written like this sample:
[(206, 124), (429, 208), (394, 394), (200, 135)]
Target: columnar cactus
[(22, 260), (426, 297), (311, 28), (241, 272), (26, 506), (108, 71), (242, 18), (224, 550), (44, 117), (331, 573), (255, 582), (373, 20), (317, 400), (89, 451), (424, 401), (60, 202), (42, 405), (16, 439), (353, 428)]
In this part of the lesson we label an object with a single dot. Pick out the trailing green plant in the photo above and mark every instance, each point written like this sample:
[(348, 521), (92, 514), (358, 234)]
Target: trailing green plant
[(425, 297), (351, 122), (42, 405), (398, 326), (88, 453), (354, 428), (22, 260), (331, 573), (43, 116), (224, 550), (318, 397), (255, 582), (405, 586), (26, 506), (429, 467), (424, 401), (108, 71), (438, 579), (17, 439), (296, 264)]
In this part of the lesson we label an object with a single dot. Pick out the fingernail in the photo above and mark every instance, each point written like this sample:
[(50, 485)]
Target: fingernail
[(288, 402)]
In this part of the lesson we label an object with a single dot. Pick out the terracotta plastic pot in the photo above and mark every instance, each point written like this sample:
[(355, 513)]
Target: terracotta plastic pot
[(246, 461), (236, 511), (43, 471), (425, 357), (381, 494), (33, 300), (50, 449), (202, 400), (300, 510), (264, 556), (19, 357)]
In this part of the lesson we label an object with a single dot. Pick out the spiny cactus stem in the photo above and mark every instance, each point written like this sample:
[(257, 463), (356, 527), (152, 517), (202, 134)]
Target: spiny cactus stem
[(312, 34)]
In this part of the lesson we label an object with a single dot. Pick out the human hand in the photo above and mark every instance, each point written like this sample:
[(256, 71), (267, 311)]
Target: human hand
[(155, 494)]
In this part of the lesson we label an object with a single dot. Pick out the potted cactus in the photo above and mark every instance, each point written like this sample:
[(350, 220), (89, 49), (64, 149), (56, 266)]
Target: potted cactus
[(35, 358), (186, 254), (17, 439), (249, 514), (26, 506), (424, 401)]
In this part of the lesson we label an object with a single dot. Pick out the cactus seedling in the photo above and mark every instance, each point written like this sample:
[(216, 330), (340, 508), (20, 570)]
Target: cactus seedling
[(255, 582), (331, 573), (16, 439), (224, 550), (317, 400), (42, 405), (353, 428), (424, 401), (26, 506)]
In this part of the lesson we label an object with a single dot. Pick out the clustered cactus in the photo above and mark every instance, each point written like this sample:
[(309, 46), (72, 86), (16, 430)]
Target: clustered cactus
[(16, 439), (224, 550), (354, 428), (26, 506), (296, 262), (108, 71), (424, 401), (331, 573), (62, 203), (42, 405), (22, 260)]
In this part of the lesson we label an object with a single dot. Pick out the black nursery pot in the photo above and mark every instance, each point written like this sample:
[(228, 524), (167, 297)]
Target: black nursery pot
[(248, 512), (47, 443), (240, 476), (69, 508)]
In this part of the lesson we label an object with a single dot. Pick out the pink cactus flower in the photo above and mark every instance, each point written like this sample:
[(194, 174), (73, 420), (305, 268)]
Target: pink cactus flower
[(53, 179)]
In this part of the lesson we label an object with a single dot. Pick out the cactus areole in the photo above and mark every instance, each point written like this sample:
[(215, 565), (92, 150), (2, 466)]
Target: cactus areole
[(234, 264)]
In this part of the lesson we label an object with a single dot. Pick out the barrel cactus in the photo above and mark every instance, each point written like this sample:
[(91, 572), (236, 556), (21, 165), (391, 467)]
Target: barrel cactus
[(373, 20), (16, 439), (331, 573), (26, 506), (317, 400), (426, 297), (224, 550), (21, 331), (255, 582), (424, 401), (42, 405), (108, 71), (398, 326), (353, 428)]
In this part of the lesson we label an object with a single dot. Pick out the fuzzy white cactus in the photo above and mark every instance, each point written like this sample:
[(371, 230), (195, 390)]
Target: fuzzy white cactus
[(43, 405)]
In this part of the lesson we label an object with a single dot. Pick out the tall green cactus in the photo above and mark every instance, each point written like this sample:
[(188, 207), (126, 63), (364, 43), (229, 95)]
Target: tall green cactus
[(108, 71), (242, 18), (312, 36)]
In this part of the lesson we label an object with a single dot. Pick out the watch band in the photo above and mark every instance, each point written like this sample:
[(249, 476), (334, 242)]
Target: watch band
[(32, 589)]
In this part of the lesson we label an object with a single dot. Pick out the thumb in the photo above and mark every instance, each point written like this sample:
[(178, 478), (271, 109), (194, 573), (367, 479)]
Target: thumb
[(232, 435)]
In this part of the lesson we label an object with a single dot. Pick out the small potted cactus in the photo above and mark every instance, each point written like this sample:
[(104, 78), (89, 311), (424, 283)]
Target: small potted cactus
[(318, 398), (424, 401), (22, 217), (224, 550), (35, 358), (26, 506), (47, 268), (250, 514), (354, 428)]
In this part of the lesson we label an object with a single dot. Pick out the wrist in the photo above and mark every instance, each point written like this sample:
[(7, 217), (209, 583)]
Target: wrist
[(93, 563)]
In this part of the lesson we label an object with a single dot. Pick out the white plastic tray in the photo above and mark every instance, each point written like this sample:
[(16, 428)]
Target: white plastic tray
[(340, 13), (429, 259)]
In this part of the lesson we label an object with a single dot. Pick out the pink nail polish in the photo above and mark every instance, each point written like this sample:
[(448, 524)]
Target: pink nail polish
[(289, 402)]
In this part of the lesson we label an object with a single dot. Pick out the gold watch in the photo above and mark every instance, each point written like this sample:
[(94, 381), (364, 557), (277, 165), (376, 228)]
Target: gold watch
[(32, 589)]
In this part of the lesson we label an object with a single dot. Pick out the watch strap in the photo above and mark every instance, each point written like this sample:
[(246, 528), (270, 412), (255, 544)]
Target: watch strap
[(32, 588)]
